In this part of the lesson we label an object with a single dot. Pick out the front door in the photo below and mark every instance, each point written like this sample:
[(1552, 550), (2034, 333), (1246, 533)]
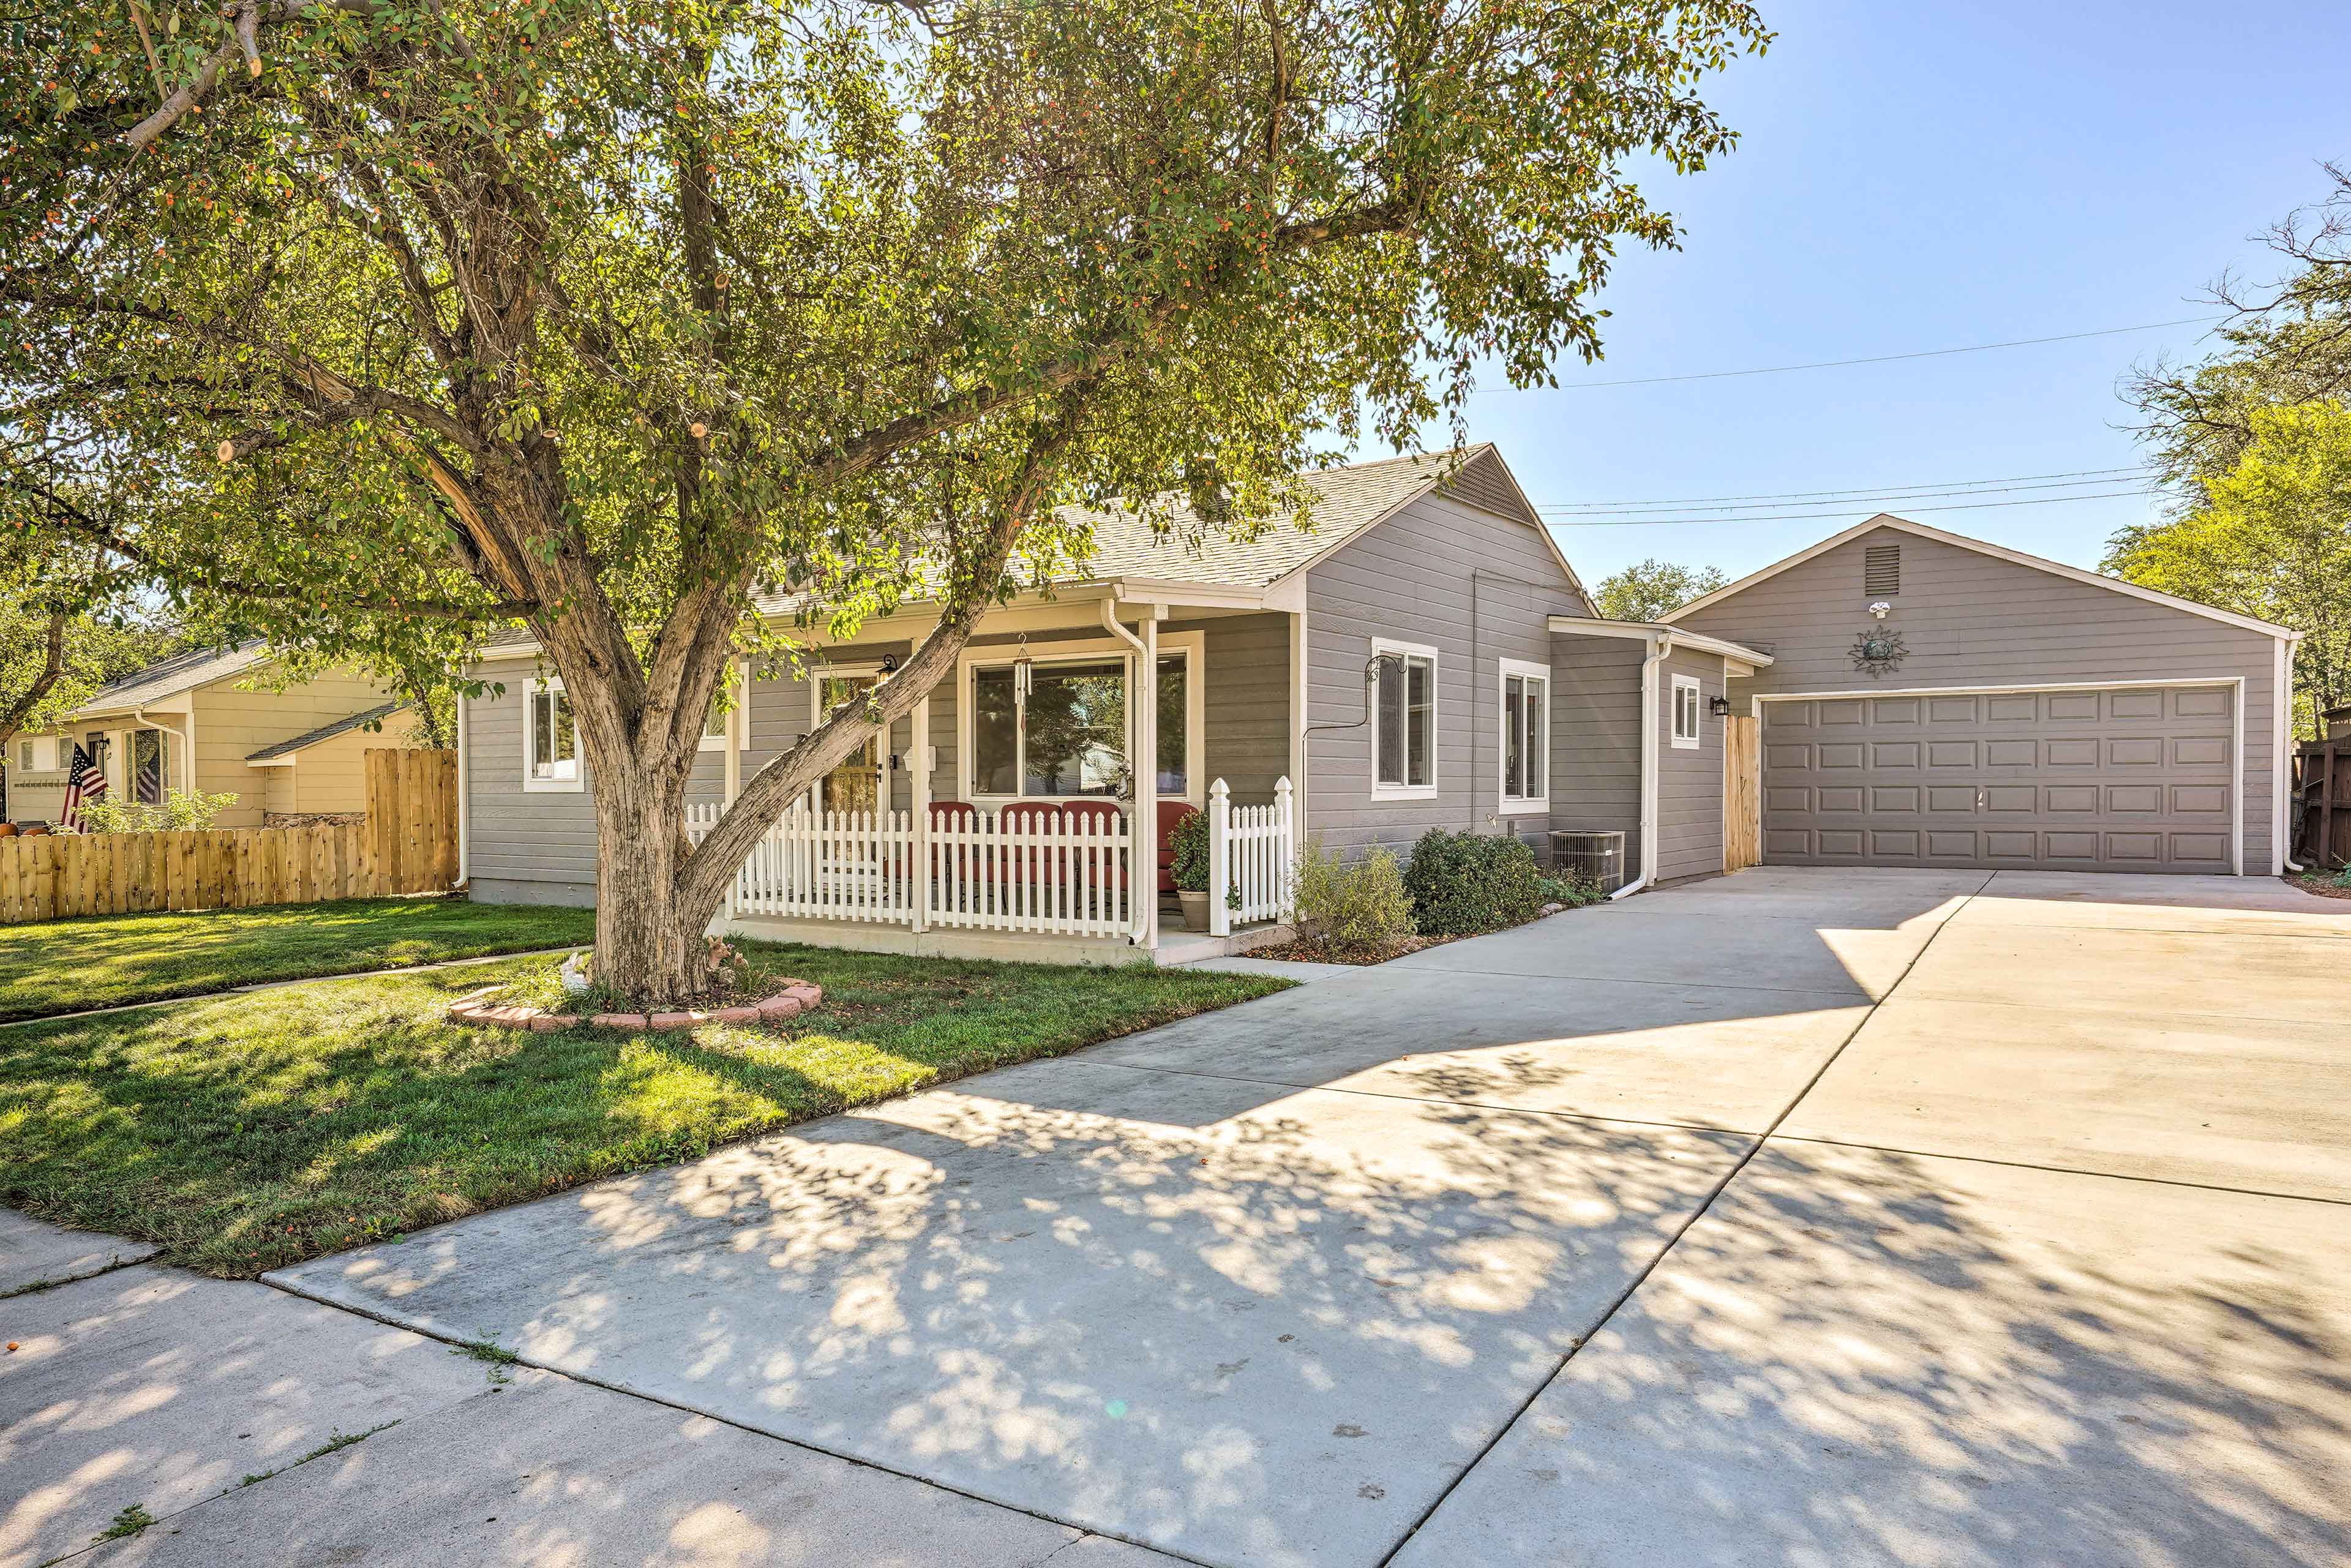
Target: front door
[(855, 785)]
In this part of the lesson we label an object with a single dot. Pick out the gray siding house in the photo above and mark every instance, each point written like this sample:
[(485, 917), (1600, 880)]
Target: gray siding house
[(1418, 654), (2016, 712)]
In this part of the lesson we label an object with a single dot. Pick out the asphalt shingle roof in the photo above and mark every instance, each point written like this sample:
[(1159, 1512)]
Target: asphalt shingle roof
[(324, 732), (180, 672)]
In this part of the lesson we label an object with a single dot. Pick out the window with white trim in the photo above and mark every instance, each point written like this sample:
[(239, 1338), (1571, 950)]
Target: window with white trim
[(36, 754), (1404, 719), (551, 737), (1526, 736), (1687, 705), (714, 722)]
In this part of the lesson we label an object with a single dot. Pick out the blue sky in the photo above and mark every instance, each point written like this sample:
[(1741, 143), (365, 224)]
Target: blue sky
[(1916, 177)]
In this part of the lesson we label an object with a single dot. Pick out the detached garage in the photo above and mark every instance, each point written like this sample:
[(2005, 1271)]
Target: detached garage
[(1937, 701)]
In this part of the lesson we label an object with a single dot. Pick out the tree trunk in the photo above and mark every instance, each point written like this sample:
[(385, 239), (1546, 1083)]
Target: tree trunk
[(648, 946)]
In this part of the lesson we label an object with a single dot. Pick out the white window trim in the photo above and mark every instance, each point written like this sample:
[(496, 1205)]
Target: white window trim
[(1698, 712), (1192, 646), (1509, 804), (535, 785), (1381, 647), (709, 742)]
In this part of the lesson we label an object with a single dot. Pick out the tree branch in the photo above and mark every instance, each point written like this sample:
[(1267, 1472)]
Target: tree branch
[(52, 668)]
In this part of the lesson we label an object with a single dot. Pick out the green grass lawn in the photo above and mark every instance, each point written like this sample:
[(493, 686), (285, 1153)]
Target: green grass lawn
[(249, 1132), (65, 965)]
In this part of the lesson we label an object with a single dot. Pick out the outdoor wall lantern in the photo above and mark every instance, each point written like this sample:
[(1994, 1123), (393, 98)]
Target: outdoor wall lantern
[(1719, 707)]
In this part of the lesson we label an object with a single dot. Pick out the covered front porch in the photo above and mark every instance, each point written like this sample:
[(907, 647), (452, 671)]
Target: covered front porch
[(1010, 815)]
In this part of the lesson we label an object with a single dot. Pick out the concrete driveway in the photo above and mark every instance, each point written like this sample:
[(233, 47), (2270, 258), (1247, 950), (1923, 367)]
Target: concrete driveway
[(1791, 1219)]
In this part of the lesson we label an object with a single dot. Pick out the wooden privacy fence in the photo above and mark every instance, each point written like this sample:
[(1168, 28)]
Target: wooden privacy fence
[(407, 844), (1742, 792)]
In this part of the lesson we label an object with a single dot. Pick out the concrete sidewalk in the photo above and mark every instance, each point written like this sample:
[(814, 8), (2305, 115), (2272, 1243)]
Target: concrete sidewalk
[(207, 1404)]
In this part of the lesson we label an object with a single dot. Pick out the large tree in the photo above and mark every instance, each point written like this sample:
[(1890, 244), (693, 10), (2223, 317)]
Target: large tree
[(2284, 343), (389, 322), (2272, 539), (1653, 588)]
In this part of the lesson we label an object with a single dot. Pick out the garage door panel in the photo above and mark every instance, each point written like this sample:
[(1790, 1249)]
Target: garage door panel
[(2120, 778)]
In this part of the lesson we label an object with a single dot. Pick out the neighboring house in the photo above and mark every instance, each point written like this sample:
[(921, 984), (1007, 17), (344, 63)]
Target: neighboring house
[(2018, 712), (203, 720), (1423, 656)]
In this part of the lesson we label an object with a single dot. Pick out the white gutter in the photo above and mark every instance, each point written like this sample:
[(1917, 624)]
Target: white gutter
[(1661, 644)]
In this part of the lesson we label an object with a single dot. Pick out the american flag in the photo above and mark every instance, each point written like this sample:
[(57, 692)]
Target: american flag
[(84, 782)]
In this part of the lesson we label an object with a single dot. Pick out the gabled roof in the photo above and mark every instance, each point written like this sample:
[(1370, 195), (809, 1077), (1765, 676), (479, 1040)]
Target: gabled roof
[(180, 672), (324, 732), (1350, 501), (1998, 552)]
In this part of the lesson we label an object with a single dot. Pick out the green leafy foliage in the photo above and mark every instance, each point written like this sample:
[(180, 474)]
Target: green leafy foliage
[(1189, 844), (1354, 910), (1653, 589), (2273, 540), (1575, 892), (180, 810), (1462, 883)]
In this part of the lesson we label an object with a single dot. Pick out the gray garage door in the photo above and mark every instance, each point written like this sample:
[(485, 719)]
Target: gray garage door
[(2130, 779)]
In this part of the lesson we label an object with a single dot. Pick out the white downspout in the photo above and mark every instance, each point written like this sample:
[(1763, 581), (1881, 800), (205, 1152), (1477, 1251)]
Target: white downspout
[(1658, 649), (2281, 798), (465, 793)]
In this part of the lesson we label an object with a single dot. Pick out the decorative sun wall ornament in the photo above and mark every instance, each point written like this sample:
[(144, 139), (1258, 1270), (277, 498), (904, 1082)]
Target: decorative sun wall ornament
[(1878, 649)]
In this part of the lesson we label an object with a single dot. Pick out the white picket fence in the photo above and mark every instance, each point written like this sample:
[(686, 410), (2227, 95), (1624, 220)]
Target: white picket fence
[(1024, 869), (1251, 852)]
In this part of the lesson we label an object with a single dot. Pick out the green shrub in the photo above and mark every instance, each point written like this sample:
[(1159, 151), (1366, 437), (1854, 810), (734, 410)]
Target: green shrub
[(1355, 909), (1572, 891), (183, 811), (1189, 844), (1462, 883)]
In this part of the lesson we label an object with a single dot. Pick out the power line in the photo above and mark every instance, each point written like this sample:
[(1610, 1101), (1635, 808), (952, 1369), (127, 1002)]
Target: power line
[(1856, 498), (2085, 474), (1812, 517), (1887, 358)]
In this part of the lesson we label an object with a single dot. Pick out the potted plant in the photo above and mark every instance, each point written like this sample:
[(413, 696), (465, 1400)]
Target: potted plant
[(1188, 866)]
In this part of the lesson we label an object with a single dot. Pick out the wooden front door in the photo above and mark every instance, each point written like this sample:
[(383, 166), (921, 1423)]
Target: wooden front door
[(855, 785)]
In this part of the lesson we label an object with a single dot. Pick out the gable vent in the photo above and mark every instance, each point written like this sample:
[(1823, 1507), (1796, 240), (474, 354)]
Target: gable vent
[(1881, 570)]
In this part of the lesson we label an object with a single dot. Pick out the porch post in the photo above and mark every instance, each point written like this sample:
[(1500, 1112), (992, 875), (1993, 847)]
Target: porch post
[(1143, 850), (1220, 865), (918, 763), (738, 727)]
